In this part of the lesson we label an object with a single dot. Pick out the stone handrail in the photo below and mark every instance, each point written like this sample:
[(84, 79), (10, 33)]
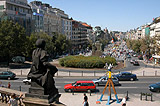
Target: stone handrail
[(5, 94)]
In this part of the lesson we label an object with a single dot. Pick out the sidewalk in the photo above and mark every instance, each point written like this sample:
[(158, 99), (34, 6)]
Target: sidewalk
[(77, 99), (139, 72)]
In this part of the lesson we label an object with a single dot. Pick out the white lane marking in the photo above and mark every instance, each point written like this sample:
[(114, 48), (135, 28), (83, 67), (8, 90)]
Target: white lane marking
[(65, 82), (127, 87), (145, 82), (59, 87), (11, 81)]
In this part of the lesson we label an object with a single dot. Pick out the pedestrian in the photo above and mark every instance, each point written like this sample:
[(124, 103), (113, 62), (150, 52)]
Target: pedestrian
[(85, 102), (9, 85), (14, 99), (0, 84), (124, 101)]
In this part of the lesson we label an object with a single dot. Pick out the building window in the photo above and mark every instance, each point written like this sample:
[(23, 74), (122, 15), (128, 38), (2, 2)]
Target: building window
[(1, 7)]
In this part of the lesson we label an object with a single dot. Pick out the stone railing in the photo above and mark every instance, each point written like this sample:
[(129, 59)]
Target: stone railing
[(5, 95)]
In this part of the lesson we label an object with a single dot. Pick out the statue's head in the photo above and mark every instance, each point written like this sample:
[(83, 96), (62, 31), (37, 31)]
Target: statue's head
[(40, 43)]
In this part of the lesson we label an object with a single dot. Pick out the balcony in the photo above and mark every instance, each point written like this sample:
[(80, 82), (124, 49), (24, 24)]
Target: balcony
[(18, 3)]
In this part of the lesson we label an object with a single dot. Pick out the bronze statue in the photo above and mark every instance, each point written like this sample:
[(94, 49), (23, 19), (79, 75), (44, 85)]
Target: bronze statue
[(42, 71)]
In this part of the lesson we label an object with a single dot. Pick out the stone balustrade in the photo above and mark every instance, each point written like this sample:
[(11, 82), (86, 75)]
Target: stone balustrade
[(5, 95)]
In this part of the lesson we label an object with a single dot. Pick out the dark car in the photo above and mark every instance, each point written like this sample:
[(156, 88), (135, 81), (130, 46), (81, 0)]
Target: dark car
[(155, 87), (126, 76), (128, 56), (7, 75), (88, 86), (136, 63), (140, 57), (132, 61)]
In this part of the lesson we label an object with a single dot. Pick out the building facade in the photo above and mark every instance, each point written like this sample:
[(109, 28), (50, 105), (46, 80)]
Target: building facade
[(45, 18), (37, 16), (65, 23), (18, 11), (79, 36)]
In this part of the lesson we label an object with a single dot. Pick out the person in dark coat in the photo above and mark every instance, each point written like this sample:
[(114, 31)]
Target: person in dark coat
[(42, 71)]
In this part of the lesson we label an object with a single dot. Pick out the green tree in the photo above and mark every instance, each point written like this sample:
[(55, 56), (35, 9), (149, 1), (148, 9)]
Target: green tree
[(104, 43), (12, 40), (30, 44), (129, 44), (136, 46), (61, 44), (155, 44)]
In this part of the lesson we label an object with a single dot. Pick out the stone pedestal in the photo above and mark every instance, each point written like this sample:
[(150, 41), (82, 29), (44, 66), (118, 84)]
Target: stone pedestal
[(96, 49), (37, 97)]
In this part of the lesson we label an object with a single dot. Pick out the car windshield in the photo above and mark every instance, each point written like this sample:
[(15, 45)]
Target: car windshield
[(99, 78), (158, 83), (74, 83), (113, 78), (9, 72)]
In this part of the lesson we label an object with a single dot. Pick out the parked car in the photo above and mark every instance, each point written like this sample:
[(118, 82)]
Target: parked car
[(134, 55), (140, 57), (18, 59), (27, 81), (155, 87), (132, 61), (128, 56), (103, 80), (136, 63), (126, 76), (7, 75), (88, 86)]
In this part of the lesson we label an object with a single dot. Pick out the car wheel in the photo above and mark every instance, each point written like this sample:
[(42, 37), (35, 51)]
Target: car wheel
[(9, 78), (158, 90), (27, 83), (66, 90), (132, 79), (97, 84), (89, 91), (69, 90)]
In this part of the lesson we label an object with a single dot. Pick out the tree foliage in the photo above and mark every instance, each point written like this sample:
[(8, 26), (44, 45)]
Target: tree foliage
[(12, 40), (57, 44), (61, 44), (104, 43), (141, 46), (31, 40)]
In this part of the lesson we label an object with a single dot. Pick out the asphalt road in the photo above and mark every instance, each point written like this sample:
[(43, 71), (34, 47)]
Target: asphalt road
[(133, 87)]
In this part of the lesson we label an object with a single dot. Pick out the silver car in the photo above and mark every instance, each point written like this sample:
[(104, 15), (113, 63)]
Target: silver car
[(103, 80)]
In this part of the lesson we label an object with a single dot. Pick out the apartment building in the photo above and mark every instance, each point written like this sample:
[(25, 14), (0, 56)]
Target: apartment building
[(17, 10), (38, 16), (45, 18), (65, 23), (79, 35)]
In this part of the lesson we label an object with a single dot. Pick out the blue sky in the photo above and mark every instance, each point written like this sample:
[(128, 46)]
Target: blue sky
[(119, 15)]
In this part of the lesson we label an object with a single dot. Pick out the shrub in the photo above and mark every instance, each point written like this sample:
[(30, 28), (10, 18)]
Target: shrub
[(86, 62)]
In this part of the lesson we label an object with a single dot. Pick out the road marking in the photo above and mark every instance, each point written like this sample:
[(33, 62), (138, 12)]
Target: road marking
[(132, 87), (11, 81), (135, 82), (65, 82), (59, 87), (127, 87)]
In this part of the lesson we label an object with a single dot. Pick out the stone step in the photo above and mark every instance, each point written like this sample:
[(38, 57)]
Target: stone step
[(36, 96), (36, 90), (28, 101)]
